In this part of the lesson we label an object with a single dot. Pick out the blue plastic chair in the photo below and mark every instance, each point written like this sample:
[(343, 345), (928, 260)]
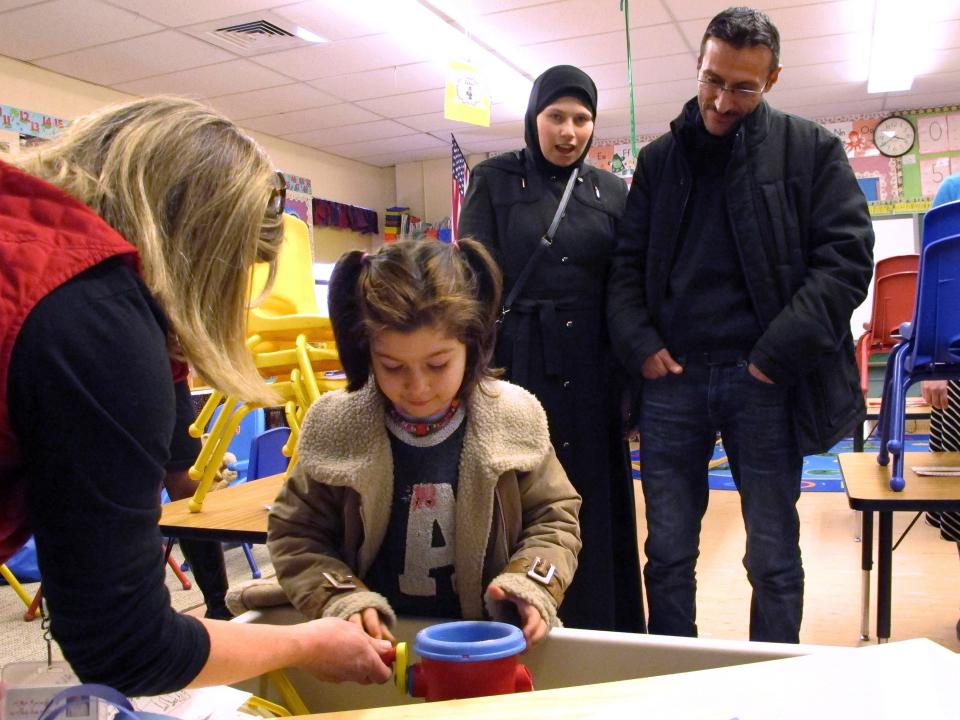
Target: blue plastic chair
[(266, 458), (250, 427), (930, 348), (941, 222)]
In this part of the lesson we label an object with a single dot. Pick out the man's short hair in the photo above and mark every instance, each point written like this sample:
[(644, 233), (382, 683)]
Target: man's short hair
[(744, 27)]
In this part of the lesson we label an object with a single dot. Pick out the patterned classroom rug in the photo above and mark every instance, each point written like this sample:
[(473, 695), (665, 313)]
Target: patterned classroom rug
[(821, 473)]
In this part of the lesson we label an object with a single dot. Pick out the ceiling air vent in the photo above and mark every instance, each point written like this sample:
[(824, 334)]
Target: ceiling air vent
[(253, 35), (259, 34)]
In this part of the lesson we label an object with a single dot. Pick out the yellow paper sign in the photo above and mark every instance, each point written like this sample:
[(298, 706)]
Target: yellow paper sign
[(468, 97)]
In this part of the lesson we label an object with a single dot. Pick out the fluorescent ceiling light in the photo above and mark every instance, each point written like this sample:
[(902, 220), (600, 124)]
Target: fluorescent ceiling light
[(309, 36), (424, 25), (897, 43)]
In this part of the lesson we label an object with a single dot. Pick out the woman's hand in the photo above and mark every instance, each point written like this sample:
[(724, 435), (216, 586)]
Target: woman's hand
[(337, 651), (934, 393), (369, 621), (533, 625)]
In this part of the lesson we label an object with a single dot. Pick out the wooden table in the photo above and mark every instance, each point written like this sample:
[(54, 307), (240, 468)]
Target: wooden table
[(868, 490), (236, 514)]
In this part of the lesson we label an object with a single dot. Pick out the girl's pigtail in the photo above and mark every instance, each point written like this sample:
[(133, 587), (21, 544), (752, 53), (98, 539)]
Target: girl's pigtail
[(346, 316), (488, 278)]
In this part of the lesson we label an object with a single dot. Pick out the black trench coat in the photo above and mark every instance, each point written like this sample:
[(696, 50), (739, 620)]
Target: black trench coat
[(554, 342)]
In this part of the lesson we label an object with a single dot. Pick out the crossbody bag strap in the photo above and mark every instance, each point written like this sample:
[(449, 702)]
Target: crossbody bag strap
[(545, 241)]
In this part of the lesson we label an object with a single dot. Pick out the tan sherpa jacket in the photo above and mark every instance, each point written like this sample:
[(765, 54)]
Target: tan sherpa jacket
[(514, 504)]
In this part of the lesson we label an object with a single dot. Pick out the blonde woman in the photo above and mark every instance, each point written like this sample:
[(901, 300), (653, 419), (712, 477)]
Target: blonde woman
[(126, 245)]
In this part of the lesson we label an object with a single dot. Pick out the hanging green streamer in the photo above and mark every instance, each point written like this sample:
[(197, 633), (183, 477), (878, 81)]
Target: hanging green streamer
[(625, 8)]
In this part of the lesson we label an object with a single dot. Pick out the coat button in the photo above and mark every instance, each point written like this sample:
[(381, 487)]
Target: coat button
[(564, 259), (566, 444), (569, 323), (566, 383)]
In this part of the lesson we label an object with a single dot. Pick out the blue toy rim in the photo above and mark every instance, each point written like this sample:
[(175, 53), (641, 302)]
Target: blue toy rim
[(469, 641)]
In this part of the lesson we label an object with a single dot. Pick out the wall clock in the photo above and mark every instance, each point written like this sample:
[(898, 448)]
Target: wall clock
[(894, 136)]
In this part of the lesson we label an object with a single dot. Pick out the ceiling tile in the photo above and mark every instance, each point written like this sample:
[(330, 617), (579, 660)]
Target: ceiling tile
[(429, 122), (126, 60), (396, 158), (343, 57), (384, 145), (208, 81), (703, 10), (569, 19), (177, 13), (313, 119), (63, 26), (337, 19), (385, 81), (11, 4), (604, 48), (395, 106), (281, 99), (351, 133), (841, 17)]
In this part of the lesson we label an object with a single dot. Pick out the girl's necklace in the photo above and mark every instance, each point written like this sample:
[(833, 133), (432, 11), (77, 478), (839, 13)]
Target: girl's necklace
[(421, 428)]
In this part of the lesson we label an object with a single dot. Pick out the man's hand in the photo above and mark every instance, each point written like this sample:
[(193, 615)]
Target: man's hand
[(659, 364), (934, 393), (759, 374), (534, 627)]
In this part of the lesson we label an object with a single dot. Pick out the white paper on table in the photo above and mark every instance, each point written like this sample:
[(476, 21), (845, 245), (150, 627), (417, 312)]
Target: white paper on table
[(199, 704), (937, 470)]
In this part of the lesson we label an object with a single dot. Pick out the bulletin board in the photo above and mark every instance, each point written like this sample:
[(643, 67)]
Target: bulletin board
[(906, 184)]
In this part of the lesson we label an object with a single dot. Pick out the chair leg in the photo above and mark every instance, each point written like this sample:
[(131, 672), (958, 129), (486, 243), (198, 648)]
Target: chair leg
[(897, 411), (12, 581), (34, 609), (252, 561), (184, 580)]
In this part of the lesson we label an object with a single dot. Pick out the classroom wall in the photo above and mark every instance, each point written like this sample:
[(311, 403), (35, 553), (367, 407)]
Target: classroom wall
[(332, 177), (424, 186)]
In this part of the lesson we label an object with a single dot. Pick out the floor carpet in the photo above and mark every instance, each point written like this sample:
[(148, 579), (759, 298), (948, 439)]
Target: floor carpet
[(821, 473)]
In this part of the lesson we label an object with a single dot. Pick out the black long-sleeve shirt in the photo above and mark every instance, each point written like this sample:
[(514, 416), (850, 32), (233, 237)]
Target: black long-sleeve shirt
[(92, 405)]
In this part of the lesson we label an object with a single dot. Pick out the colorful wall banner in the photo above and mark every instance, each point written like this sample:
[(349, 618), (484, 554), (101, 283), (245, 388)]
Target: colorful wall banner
[(28, 122), (468, 95)]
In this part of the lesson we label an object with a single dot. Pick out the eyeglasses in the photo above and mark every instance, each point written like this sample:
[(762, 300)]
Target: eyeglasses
[(278, 197), (738, 92)]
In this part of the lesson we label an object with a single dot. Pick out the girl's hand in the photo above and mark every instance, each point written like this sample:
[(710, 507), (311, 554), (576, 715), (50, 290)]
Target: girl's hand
[(533, 625), (369, 621), (934, 393)]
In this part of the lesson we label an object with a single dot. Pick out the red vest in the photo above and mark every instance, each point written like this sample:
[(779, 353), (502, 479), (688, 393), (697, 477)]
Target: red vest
[(46, 238)]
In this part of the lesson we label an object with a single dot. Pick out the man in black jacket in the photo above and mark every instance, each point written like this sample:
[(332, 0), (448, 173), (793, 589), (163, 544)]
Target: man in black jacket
[(744, 248)]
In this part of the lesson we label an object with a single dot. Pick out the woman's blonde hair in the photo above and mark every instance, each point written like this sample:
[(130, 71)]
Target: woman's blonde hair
[(190, 191)]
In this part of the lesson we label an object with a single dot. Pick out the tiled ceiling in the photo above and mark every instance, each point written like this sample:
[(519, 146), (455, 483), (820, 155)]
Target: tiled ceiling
[(373, 93)]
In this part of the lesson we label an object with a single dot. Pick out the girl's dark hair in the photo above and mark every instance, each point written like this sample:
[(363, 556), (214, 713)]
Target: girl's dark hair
[(744, 27), (412, 284)]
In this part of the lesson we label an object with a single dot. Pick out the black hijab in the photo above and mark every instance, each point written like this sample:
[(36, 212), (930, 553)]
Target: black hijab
[(558, 81)]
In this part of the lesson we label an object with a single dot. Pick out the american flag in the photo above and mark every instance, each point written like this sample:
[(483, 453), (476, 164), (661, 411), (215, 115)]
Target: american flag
[(461, 178)]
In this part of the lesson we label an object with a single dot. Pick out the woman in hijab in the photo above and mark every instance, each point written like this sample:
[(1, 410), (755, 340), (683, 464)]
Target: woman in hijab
[(553, 341)]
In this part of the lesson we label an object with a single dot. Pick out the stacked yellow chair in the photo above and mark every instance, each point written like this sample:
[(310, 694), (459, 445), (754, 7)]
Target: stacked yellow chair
[(293, 348)]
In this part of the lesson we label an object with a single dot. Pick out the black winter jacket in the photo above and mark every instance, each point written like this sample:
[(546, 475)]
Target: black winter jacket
[(805, 242)]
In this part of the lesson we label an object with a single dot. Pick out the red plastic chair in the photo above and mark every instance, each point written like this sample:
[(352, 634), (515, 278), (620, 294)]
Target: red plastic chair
[(894, 295)]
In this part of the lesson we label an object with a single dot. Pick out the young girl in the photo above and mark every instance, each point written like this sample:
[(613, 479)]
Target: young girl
[(427, 487)]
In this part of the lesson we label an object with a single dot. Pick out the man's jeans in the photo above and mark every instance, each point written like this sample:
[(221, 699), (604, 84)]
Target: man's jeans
[(679, 419)]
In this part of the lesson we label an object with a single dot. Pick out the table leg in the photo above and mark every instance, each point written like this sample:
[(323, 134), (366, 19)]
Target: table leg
[(858, 438), (866, 565), (884, 575)]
